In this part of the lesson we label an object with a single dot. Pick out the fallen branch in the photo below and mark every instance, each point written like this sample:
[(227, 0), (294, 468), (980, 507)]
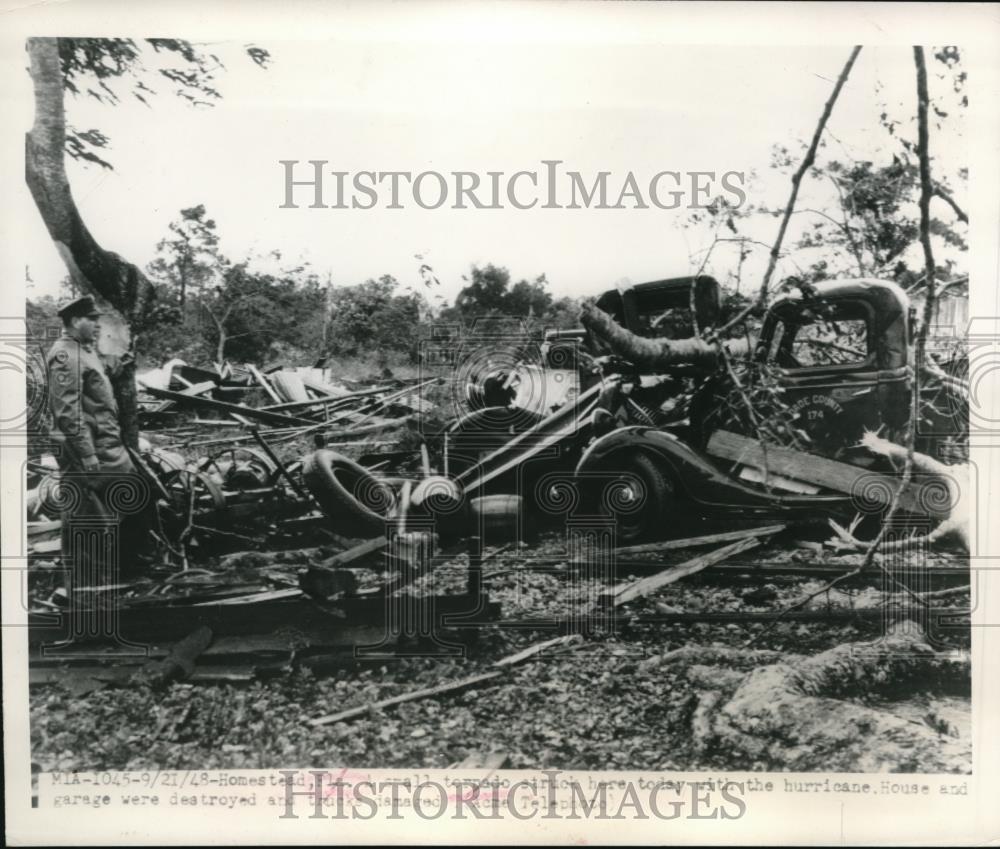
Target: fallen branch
[(450, 686), (874, 614), (654, 355)]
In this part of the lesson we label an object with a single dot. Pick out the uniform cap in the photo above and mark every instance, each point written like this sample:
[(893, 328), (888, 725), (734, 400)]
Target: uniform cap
[(84, 306)]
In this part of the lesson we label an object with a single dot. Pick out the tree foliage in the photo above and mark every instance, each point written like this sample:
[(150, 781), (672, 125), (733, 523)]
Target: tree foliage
[(488, 293), (189, 257), (100, 67), (373, 317)]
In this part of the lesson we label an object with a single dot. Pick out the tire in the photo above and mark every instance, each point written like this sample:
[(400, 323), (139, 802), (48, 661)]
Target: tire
[(352, 497), (638, 494)]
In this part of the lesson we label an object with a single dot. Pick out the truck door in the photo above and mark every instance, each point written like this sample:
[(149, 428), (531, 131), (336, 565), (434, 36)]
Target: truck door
[(825, 359)]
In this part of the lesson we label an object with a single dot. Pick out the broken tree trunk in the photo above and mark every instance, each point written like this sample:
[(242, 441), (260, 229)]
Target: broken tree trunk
[(95, 270), (956, 478), (796, 715), (656, 355)]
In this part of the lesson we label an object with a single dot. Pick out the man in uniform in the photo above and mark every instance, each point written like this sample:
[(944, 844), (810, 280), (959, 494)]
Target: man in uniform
[(101, 485)]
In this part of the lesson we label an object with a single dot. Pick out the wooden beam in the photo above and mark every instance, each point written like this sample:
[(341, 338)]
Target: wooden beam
[(226, 407), (264, 383), (693, 542), (822, 471), (538, 648), (356, 553), (637, 589), (327, 399)]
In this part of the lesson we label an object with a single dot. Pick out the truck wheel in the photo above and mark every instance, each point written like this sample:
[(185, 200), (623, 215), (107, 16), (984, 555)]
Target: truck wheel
[(638, 494), (348, 493)]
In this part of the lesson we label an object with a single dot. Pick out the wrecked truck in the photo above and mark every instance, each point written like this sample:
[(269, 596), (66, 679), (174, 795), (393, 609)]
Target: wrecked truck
[(775, 437)]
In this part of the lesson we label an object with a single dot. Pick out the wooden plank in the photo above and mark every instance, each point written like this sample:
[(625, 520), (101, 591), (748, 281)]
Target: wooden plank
[(327, 399), (216, 423), (395, 396), (192, 389), (637, 589), (356, 553), (253, 598), (374, 427), (538, 648), (226, 407), (199, 388), (693, 542), (352, 621), (264, 383), (841, 477)]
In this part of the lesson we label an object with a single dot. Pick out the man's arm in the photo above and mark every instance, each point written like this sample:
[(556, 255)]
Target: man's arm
[(65, 393)]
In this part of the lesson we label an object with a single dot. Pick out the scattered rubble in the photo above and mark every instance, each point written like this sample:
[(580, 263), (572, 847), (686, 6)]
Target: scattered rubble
[(306, 523)]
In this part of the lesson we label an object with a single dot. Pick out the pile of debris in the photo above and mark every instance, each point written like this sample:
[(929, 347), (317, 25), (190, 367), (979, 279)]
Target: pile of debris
[(296, 400)]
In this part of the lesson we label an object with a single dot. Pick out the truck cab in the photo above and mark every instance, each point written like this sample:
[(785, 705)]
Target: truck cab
[(840, 351), (831, 361)]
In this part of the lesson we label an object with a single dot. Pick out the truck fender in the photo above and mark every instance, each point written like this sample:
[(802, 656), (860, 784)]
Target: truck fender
[(676, 458)]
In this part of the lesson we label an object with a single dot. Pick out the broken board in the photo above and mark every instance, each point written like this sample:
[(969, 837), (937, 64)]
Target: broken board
[(867, 486)]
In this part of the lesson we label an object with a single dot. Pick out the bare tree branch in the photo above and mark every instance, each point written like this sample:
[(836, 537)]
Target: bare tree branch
[(807, 163), (926, 191), (945, 195)]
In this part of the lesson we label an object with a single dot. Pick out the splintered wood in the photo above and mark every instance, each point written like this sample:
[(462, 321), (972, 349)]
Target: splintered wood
[(637, 589), (811, 468)]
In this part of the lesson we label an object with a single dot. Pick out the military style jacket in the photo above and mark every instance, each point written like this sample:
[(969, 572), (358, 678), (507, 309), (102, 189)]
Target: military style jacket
[(84, 411)]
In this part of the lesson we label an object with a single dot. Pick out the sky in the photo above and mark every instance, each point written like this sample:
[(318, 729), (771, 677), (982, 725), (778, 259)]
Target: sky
[(433, 103)]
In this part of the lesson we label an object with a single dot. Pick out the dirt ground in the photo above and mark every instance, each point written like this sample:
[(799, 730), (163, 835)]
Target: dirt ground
[(616, 700)]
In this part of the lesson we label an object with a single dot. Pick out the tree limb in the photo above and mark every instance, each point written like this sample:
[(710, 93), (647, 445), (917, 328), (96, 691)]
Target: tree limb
[(656, 355), (945, 195), (807, 163)]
